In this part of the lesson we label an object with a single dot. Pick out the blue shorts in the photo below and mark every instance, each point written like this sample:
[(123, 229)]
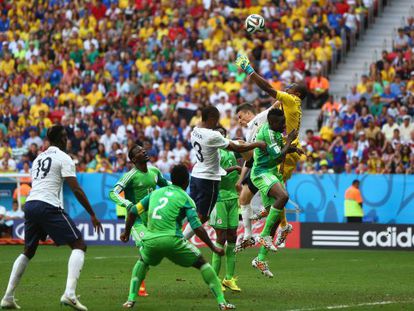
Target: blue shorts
[(204, 192), (43, 219)]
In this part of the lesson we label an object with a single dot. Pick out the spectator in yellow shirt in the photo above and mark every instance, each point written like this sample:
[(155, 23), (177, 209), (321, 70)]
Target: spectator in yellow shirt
[(37, 107), (231, 84), (7, 64), (44, 119), (95, 95), (388, 73), (362, 86)]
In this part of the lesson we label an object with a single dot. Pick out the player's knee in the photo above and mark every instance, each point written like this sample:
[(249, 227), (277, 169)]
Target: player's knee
[(245, 196), (231, 236), (221, 236), (199, 263), (79, 244), (284, 198), (29, 253)]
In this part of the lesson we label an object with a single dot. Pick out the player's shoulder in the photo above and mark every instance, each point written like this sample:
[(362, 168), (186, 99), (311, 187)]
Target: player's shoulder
[(205, 133), (154, 169)]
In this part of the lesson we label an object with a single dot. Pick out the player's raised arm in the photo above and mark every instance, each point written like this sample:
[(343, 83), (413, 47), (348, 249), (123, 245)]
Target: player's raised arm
[(243, 62), (241, 147), (81, 196)]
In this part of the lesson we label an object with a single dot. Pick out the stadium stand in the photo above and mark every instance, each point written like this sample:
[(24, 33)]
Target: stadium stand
[(117, 72)]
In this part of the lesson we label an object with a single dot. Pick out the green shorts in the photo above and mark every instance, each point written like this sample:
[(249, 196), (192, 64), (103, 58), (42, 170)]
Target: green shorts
[(138, 232), (225, 214), (264, 182), (178, 250)]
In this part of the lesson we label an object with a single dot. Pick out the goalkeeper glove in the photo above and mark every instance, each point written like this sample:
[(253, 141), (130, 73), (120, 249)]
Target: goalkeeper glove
[(243, 62)]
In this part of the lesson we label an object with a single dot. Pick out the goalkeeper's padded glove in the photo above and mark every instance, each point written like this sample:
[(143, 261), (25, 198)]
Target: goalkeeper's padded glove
[(243, 62)]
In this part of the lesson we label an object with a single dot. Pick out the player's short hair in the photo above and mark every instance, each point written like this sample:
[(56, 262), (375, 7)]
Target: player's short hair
[(54, 133), (132, 150), (355, 182), (222, 131), (275, 112), (209, 112), (246, 107), (179, 175), (300, 88)]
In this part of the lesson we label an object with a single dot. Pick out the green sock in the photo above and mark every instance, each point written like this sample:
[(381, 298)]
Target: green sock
[(138, 275), (270, 221), (211, 279), (230, 260), (262, 253), (216, 260)]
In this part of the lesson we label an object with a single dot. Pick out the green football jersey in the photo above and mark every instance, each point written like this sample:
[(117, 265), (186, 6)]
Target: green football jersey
[(228, 182), (136, 185), (268, 161), (167, 207)]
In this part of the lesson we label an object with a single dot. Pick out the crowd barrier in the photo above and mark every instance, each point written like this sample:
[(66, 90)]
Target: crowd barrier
[(387, 198)]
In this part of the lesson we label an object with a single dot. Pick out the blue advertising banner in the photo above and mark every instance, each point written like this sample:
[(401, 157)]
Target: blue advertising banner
[(387, 198)]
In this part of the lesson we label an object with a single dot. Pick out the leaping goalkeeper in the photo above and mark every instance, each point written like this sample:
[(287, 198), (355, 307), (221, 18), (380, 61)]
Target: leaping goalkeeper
[(291, 102)]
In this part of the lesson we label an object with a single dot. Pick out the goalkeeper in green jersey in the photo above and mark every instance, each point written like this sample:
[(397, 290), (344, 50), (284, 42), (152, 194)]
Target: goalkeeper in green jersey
[(166, 209), (136, 184), (267, 178), (225, 216)]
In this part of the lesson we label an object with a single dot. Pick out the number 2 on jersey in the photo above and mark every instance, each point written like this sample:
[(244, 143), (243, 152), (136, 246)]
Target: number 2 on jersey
[(198, 149), (43, 166), (163, 201)]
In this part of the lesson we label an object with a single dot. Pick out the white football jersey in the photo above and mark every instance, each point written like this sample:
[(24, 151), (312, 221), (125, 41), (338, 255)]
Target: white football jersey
[(254, 125), (206, 144), (48, 172)]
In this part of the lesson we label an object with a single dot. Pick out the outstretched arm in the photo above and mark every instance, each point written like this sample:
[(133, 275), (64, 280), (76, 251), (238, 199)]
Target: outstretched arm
[(243, 62), (244, 147), (263, 84)]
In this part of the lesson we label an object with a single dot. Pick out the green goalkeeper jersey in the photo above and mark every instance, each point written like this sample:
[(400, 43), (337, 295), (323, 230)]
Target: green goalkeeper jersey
[(167, 207), (136, 185), (228, 182), (268, 161)]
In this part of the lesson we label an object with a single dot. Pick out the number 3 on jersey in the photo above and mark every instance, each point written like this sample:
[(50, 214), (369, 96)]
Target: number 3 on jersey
[(198, 149), (163, 201)]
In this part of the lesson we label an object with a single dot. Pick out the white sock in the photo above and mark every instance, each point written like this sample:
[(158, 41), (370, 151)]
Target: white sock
[(19, 266), (188, 232), (75, 265), (247, 213)]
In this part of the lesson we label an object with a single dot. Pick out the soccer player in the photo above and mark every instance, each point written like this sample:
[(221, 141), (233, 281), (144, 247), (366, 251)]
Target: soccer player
[(166, 209), (45, 216), (291, 102), (266, 177), (247, 117), (136, 184), (225, 216), (206, 174)]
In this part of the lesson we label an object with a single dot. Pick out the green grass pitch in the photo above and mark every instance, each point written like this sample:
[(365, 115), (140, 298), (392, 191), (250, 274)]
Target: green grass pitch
[(304, 280)]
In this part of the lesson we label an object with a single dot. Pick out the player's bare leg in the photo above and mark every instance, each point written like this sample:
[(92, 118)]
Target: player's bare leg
[(245, 198), (75, 265)]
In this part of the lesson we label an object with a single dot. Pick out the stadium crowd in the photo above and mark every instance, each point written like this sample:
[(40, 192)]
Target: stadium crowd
[(118, 72), (371, 130)]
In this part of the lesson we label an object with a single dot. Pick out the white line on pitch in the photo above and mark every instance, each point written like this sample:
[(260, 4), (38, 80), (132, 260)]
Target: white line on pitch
[(365, 304)]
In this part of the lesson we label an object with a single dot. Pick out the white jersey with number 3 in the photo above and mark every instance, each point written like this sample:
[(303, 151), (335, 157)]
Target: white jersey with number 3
[(206, 143), (48, 172)]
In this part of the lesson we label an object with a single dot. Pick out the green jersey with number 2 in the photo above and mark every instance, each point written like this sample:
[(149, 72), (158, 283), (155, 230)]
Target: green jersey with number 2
[(166, 209)]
